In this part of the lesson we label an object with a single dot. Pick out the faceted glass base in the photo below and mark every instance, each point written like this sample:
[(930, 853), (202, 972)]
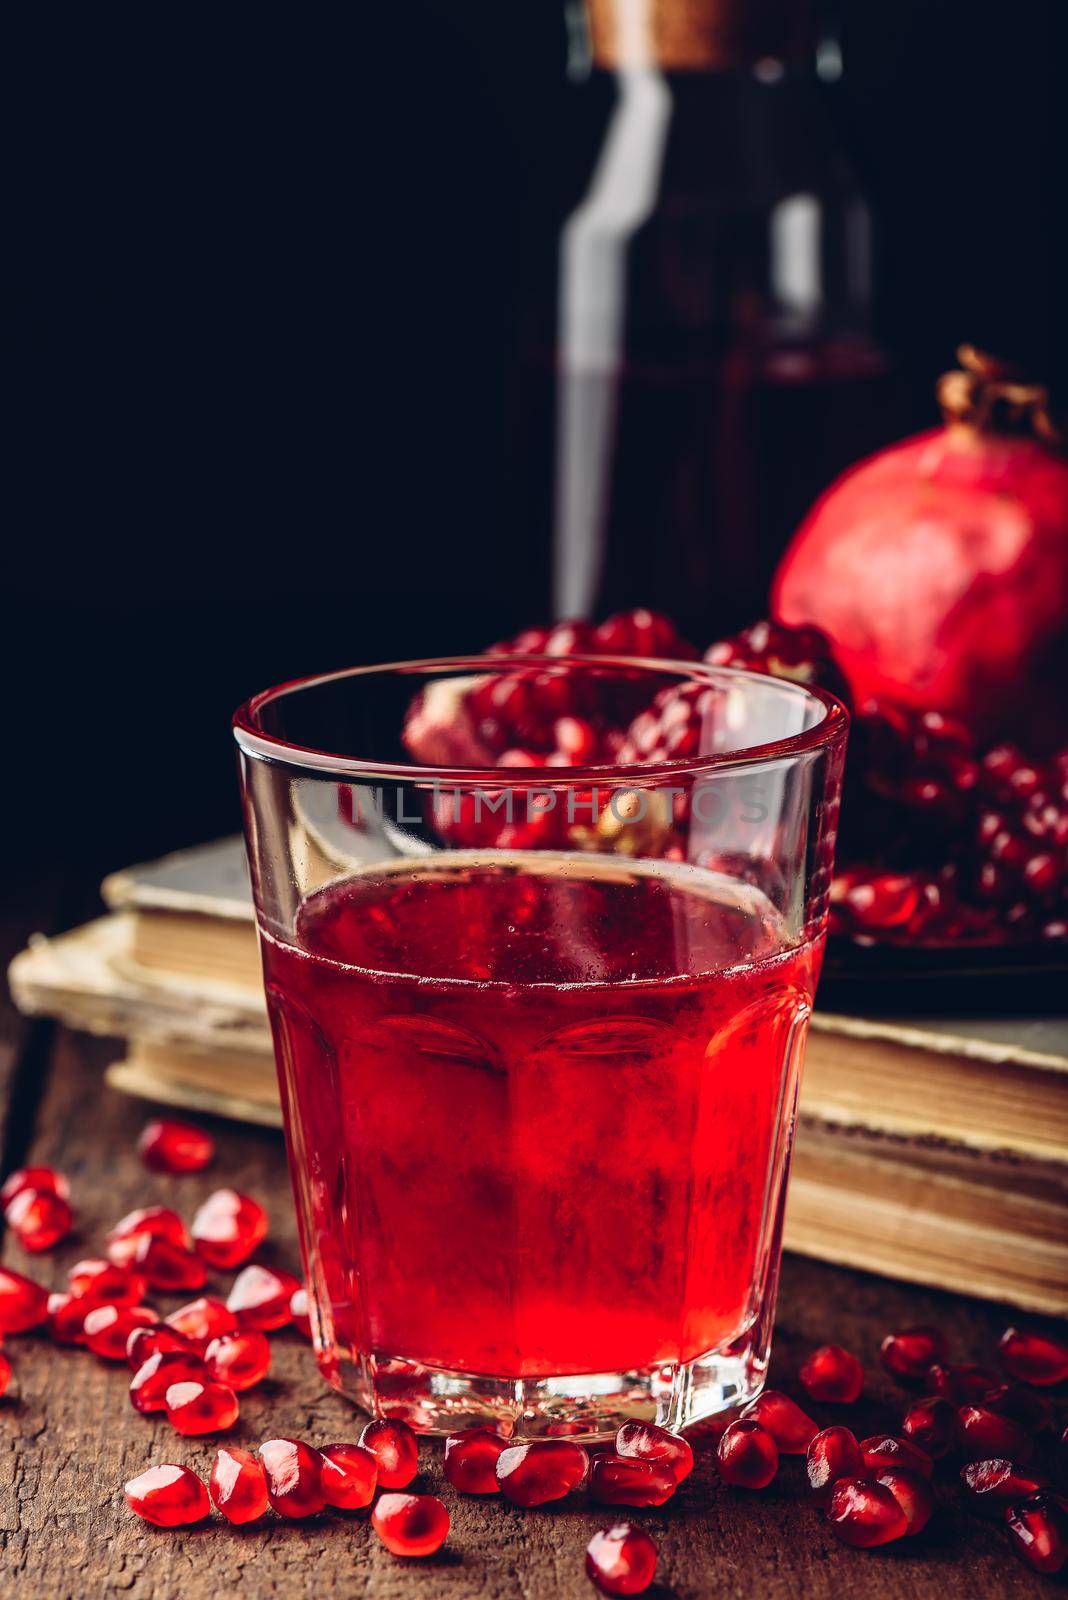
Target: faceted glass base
[(583, 1406)]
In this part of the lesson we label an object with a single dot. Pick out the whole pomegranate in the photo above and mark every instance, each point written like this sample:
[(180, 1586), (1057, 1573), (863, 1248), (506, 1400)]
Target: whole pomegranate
[(938, 569)]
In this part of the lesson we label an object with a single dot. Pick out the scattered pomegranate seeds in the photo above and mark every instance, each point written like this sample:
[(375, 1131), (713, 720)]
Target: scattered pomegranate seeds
[(349, 1476), (5, 1373), (46, 1180), (908, 1354), (394, 1447), (995, 1484), (748, 1455), (912, 1493), (411, 1524), (238, 1485), (299, 1310), (649, 1443), (228, 1227), (168, 1266), (107, 1328), (145, 1342), (149, 1385), (1033, 1357), (294, 1477), (260, 1297), (961, 1386), (621, 1560), (108, 1284), (241, 1359), (931, 1424), (982, 1433), (1038, 1533), (790, 1427), (832, 1374), (833, 1454), (23, 1303), (546, 1469), (201, 1406), (169, 1496), (39, 1218), (169, 1146), (471, 1460), (882, 1450), (627, 1481), (202, 1320), (864, 1513)]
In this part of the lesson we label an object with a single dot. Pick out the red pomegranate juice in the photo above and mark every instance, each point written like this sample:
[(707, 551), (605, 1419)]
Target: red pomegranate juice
[(538, 1109)]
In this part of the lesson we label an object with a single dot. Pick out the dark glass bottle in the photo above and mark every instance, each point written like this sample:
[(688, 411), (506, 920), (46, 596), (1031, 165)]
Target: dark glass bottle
[(698, 359)]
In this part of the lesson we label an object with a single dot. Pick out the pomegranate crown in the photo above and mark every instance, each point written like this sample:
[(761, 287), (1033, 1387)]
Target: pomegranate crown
[(990, 396)]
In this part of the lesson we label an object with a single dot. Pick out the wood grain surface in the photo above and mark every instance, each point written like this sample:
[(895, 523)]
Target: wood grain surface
[(69, 1438)]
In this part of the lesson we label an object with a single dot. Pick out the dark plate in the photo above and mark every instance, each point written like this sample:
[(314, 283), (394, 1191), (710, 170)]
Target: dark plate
[(977, 980)]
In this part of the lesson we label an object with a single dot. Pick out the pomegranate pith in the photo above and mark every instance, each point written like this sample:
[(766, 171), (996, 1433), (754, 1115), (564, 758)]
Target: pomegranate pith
[(294, 1477), (864, 1513), (167, 1145), (621, 1560), (349, 1476), (547, 1469), (791, 1428), (748, 1455), (832, 1374), (411, 1524), (394, 1447), (647, 1442), (168, 1496), (471, 1460), (238, 1485), (626, 1481)]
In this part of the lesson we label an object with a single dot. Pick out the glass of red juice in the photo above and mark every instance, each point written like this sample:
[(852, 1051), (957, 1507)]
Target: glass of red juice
[(540, 937)]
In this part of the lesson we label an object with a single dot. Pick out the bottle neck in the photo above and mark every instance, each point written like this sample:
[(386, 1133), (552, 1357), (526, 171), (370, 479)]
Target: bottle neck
[(701, 35)]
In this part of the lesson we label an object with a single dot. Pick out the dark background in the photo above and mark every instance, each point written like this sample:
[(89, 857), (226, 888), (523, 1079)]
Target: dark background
[(263, 320)]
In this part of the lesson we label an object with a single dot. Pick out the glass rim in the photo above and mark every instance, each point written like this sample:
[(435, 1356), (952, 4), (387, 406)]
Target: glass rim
[(255, 742)]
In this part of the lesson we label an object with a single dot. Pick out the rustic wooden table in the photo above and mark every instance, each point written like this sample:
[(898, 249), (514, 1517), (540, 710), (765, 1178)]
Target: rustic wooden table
[(69, 1438)]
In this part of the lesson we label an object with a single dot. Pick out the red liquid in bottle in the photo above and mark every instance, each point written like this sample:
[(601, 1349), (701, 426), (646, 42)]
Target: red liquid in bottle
[(538, 1108)]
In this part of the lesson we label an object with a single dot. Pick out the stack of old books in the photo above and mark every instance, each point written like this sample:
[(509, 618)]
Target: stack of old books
[(935, 1151)]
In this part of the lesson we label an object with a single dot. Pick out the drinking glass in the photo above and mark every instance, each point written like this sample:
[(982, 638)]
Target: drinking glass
[(539, 1022)]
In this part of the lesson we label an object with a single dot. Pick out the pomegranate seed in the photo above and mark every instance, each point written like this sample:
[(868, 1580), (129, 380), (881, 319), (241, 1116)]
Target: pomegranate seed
[(108, 1284), (107, 1328), (471, 1460), (146, 1342), (626, 1481), (166, 1145), (46, 1180), (832, 1374), (260, 1297), (1032, 1411), (864, 1513), (240, 1359), (997, 1483), (39, 1219), (930, 1424), (649, 1443), (349, 1476), (621, 1560), (546, 1469), (299, 1310), (912, 1493), (907, 1355), (23, 1303), (833, 1454), (792, 1430), (982, 1434), (66, 1317), (201, 1406), (228, 1227), (1033, 1357), (168, 1266), (238, 1485), (961, 1386), (882, 1450), (294, 1477), (149, 1385), (394, 1447), (202, 1320), (411, 1524), (576, 738), (169, 1496), (160, 1221), (5, 1373), (1038, 1533), (748, 1455)]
